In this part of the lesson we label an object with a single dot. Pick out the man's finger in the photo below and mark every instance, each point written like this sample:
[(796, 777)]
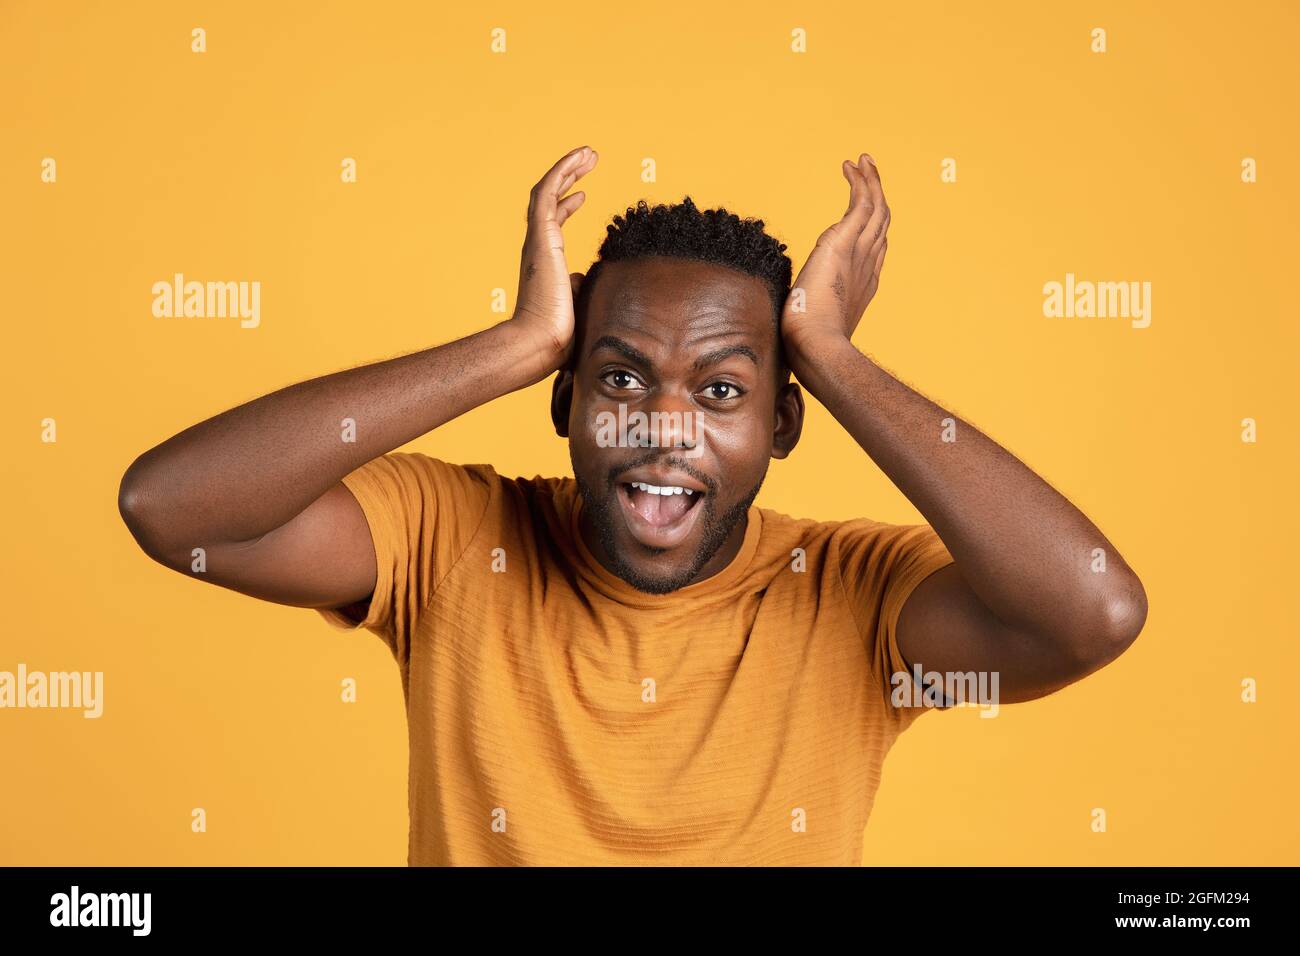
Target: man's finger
[(875, 191), (873, 232), (559, 178), (568, 206), (571, 176), (880, 259), (859, 211)]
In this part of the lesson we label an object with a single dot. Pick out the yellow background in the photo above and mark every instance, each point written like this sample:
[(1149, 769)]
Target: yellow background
[(225, 165)]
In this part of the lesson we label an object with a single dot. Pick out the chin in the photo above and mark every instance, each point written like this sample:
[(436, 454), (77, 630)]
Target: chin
[(654, 580), (639, 560), (654, 555)]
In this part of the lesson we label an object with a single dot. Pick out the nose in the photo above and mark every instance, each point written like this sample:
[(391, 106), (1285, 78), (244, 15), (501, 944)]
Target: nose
[(673, 423)]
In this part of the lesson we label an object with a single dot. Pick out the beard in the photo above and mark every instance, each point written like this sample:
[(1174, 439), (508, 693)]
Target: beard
[(602, 509)]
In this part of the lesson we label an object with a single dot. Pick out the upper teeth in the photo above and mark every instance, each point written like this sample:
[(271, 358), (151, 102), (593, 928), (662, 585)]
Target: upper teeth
[(661, 489)]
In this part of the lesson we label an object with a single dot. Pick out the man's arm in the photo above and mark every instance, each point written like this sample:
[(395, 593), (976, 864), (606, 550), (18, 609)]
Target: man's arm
[(1021, 597), (259, 487)]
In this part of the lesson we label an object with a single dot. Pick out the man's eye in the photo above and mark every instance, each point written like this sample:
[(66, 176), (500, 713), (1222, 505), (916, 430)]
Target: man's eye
[(619, 378), (722, 390)]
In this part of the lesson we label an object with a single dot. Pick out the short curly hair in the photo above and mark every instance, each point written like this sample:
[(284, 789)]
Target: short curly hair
[(683, 231)]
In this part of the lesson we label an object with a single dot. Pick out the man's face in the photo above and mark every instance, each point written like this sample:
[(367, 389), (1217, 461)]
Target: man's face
[(674, 412)]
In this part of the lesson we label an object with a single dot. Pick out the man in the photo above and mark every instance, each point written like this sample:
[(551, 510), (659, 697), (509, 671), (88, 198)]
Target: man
[(636, 665)]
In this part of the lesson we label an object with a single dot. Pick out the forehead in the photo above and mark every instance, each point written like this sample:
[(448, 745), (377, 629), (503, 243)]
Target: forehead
[(679, 303)]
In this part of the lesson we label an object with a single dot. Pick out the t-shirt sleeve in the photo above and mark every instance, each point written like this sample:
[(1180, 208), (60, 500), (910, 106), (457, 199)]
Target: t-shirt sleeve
[(880, 565), (423, 513)]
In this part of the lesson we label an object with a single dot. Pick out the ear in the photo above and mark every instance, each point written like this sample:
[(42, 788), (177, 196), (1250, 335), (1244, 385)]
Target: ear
[(561, 401), (788, 423), (562, 387)]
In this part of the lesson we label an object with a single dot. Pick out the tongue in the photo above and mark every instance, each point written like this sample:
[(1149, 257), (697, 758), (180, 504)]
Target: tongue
[(659, 509)]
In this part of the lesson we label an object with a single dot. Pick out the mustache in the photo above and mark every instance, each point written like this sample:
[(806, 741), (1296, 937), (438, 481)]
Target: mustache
[(672, 461)]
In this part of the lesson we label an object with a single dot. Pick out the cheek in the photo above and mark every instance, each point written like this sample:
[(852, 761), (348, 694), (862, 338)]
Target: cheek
[(586, 414), (589, 456), (741, 446), (582, 423)]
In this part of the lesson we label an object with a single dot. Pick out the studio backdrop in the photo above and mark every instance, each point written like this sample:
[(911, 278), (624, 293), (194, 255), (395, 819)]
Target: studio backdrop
[(360, 173)]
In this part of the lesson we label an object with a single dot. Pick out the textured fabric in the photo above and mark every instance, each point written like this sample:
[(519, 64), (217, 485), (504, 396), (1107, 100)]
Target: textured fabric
[(557, 716)]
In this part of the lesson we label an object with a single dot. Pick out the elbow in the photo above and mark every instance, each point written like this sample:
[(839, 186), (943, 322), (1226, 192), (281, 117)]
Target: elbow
[(134, 504), (1121, 618)]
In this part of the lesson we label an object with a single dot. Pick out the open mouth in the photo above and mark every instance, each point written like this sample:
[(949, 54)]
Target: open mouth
[(659, 516)]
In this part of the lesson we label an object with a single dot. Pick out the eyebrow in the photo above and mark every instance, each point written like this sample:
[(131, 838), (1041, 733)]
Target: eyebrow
[(717, 355), (615, 344)]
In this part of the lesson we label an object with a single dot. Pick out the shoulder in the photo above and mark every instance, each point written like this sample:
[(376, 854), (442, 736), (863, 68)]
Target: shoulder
[(414, 490), (782, 531), (418, 470), (541, 494), (531, 505), (803, 544), (855, 546), (424, 476)]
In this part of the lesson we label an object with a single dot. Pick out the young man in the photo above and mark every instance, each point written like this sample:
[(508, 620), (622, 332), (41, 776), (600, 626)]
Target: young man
[(636, 665)]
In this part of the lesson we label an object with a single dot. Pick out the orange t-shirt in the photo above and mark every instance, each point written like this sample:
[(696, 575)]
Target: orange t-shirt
[(558, 716)]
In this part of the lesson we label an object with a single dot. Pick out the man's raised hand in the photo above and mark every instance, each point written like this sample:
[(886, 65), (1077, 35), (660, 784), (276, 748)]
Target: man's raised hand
[(842, 273), (544, 305)]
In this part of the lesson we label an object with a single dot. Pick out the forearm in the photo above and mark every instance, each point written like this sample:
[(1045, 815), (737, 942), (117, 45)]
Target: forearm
[(249, 470), (1023, 549)]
